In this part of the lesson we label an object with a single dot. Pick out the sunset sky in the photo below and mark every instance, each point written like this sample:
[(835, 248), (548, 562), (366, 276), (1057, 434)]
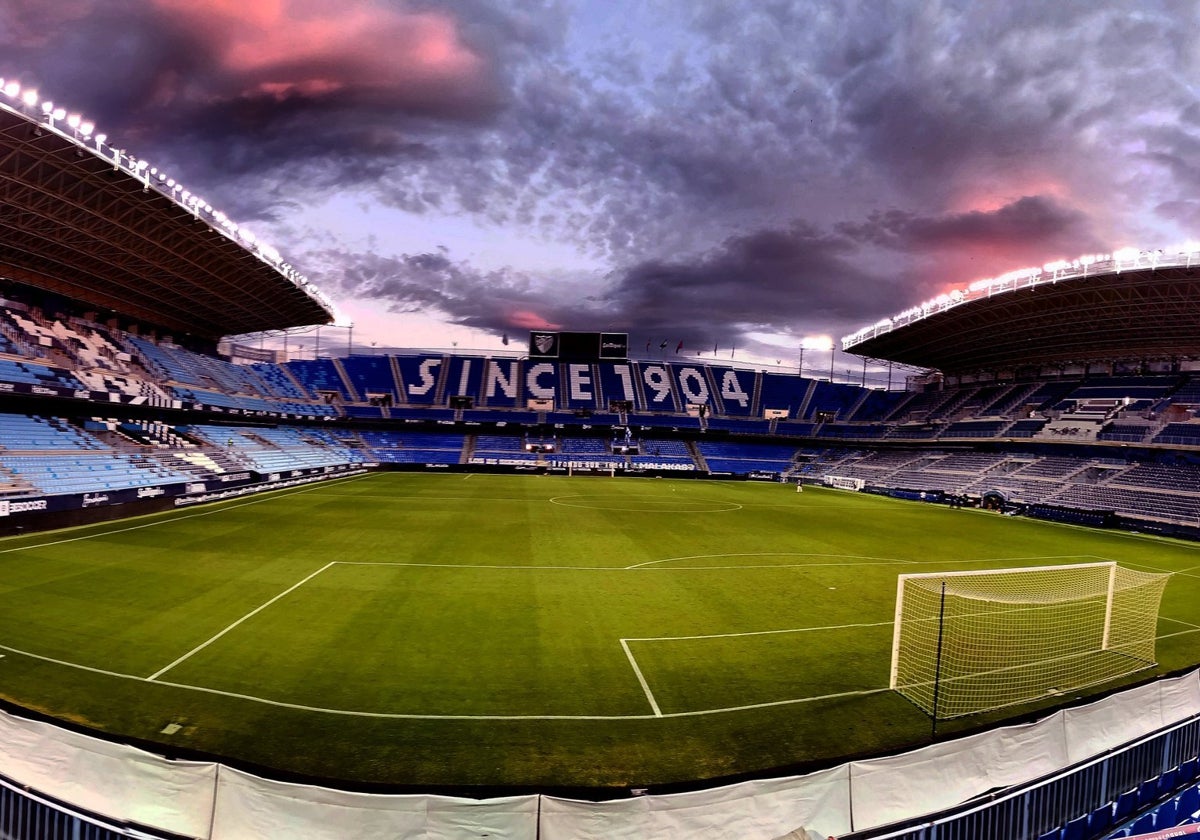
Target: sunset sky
[(739, 173)]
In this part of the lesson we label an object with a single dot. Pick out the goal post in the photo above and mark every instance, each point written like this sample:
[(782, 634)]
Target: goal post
[(972, 641)]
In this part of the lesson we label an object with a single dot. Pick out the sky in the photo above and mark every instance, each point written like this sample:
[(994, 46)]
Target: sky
[(730, 174)]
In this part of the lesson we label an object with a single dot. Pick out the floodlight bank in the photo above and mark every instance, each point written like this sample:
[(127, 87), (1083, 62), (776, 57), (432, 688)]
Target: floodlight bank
[(1091, 265), (82, 132)]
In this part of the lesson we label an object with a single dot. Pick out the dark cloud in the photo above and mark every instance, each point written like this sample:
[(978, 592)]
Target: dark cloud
[(247, 98), (784, 166), (770, 280), (1029, 225)]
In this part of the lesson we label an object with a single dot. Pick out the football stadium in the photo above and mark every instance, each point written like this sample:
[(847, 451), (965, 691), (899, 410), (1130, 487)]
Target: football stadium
[(566, 592)]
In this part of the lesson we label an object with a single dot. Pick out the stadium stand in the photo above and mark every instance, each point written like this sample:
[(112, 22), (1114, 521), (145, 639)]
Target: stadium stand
[(414, 447), (744, 458), (319, 376)]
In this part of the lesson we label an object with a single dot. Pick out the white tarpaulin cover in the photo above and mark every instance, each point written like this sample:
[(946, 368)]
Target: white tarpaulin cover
[(749, 811), (941, 775), (127, 784), (926, 780), (252, 808), (1124, 717), (114, 780)]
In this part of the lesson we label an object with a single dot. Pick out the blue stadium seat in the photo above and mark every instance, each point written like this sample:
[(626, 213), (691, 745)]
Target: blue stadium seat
[(1100, 820), (1076, 829), (1169, 782), (1147, 792), (1165, 815), (1187, 770), (1189, 802), (1142, 825), (1052, 834), (1126, 805)]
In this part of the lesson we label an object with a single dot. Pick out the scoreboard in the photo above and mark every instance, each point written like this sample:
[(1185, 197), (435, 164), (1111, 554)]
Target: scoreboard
[(583, 346)]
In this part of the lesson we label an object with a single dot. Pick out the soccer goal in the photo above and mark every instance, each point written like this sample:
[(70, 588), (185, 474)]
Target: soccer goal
[(967, 642)]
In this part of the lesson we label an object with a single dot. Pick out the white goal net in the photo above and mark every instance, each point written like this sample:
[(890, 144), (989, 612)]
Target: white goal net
[(967, 642)]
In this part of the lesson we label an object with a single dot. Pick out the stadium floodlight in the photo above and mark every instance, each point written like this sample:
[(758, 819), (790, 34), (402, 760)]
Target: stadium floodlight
[(82, 131), (968, 642)]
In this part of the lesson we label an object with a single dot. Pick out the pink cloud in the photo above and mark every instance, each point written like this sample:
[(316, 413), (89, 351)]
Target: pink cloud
[(524, 319), (283, 48)]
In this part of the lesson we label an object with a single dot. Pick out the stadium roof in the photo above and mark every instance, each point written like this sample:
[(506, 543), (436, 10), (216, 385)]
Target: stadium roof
[(92, 223), (1127, 305)]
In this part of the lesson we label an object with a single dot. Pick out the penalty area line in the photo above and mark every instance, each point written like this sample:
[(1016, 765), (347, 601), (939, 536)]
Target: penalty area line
[(244, 618), (757, 633), (641, 679)]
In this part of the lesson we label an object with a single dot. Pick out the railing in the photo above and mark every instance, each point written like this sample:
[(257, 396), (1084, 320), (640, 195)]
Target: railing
[(1151, 768), (24, 815)]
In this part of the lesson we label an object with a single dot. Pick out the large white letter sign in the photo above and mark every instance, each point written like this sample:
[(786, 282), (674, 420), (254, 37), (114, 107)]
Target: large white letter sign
[(656, 379), (536, 389), (428, 380), (692, 386)]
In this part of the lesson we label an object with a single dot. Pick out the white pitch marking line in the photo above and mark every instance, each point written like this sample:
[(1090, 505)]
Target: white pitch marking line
[(641, 679), (248, 615), (410, 716), (767, 554), (758, 632), (1133, 564), (872, 561), (1177, 621), (559, 500), (793, 702), (410, 499)]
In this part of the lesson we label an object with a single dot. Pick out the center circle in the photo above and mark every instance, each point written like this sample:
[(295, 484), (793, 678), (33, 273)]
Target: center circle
[(646, 504)]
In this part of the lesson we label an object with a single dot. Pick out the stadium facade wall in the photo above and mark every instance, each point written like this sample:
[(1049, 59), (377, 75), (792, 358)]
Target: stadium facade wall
[(125, 786)]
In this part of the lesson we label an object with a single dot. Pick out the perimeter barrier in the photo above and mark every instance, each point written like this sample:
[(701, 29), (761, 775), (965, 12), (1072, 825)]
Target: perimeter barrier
[(1018, 783)]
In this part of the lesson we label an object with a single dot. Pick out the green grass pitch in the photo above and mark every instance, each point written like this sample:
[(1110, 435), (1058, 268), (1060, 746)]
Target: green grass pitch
[(450, 629)]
